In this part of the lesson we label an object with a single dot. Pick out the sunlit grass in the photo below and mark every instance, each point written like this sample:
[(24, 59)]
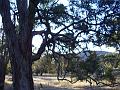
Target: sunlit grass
[(51, 83)]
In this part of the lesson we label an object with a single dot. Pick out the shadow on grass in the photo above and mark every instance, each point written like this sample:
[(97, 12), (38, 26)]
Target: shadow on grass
[(98, 88), (79, 88), (9, 87)]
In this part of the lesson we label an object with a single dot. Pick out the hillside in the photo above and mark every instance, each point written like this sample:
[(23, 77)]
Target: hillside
[(84, 55)]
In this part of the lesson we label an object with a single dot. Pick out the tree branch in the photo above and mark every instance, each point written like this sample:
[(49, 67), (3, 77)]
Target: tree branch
[(37, 32)]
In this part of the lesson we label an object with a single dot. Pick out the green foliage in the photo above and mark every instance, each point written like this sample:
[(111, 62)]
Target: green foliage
[(44, 1), (106, 2), (92, 63), (69, 40), (82, 69), (99, 68), (46, 4), (58, 14), (109, 63), (44, 65), (59, 9), (111, 60), (77, 69), (108, 73)]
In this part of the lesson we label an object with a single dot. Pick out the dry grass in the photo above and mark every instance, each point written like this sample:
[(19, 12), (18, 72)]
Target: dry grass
[(51, 83)]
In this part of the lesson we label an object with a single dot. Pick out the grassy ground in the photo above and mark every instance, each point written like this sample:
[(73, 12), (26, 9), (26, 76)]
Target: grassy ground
[(47, 82)]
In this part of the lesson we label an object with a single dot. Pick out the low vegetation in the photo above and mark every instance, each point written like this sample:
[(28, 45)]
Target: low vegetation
[(103, 70)]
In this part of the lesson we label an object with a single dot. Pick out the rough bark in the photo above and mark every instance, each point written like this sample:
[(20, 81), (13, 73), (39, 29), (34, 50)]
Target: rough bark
[(2, 72), (19, 45), (3, 61), (22, 73)]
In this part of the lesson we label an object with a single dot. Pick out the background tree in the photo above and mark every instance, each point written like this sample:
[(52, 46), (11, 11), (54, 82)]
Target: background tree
[(63, 29), (110, 63), (46, 64)]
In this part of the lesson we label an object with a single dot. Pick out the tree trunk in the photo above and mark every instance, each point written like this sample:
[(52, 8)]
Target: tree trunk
[(22, 75), (21, 60), (2, 72), (21, 63), (20, 44)]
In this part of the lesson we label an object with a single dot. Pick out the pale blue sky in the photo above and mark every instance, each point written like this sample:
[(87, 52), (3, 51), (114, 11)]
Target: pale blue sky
[(37, 39)]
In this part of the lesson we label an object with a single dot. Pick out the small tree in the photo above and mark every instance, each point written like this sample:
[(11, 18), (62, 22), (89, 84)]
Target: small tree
[(110, 63)]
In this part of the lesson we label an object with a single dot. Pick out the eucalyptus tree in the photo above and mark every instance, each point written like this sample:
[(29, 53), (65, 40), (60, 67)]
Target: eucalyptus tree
[(19, 42), (63, 29), (18, 18), (3, 58)]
